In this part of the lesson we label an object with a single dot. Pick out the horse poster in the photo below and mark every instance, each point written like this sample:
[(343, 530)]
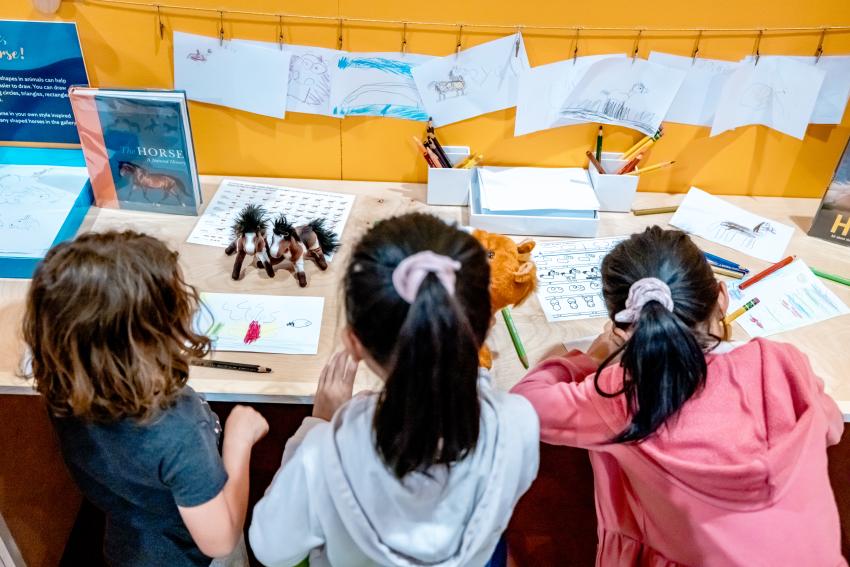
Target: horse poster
[(722, 222), (474, 81)]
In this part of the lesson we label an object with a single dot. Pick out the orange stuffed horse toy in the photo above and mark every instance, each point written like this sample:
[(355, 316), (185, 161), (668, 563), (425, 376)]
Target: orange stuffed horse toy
[(513, 275)]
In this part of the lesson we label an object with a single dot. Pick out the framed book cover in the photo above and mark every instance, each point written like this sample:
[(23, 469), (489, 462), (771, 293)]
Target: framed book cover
[(138, 149), (832, 221)]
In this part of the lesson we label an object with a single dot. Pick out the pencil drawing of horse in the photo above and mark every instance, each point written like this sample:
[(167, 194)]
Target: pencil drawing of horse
[(745, 237), (141, 178), (455, 84)]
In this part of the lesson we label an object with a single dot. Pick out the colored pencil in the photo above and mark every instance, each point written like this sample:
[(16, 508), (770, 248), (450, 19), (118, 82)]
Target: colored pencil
[(741, 310), (225, 365), (638, 144), (741, 271), (520, 350), (599, 144), (432, 144), (470, 162), (434, 158), (728, 272), (830, 277), (650, 168), (721, 260), (630, 165), (424, 152), (763, 274), (655, 211), (595, 162), (645, 144)]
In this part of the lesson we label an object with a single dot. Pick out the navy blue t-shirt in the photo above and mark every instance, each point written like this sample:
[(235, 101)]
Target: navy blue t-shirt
[(139, 473)]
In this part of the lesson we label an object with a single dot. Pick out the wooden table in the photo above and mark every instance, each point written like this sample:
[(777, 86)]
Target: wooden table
[(294, 377)]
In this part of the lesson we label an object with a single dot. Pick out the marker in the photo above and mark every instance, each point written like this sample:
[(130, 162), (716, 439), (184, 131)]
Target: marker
[(720, 260), (830, 277), (761, 275), (655, 211), (599, 144), (595, 162), (650, 168), (520, 350), (728, 272), (741, 310), (225, 365), (630, 165)]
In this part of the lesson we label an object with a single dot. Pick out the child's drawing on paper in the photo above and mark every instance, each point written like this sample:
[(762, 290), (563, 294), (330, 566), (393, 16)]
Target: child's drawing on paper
[(739, 236), (626, 92), (455, 85), (309, 79), (377, 84), (198, 56)]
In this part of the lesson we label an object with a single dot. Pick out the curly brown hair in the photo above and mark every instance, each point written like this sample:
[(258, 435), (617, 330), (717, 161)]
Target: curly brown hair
[(109, 323)]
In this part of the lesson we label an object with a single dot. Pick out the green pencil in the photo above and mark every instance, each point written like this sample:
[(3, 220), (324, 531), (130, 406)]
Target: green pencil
[(520, 350), (831, 277), (598, 145)]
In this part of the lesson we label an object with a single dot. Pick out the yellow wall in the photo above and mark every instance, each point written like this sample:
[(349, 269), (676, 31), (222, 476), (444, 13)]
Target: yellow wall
[(122, 48)]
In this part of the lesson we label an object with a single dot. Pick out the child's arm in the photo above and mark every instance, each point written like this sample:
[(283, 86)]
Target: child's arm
[(216, 525), (834, 417), (562, 392)]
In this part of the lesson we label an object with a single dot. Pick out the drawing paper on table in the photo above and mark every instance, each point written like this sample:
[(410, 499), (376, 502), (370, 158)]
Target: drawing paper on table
[(696, 101), (299, 205), (722, 222), (35, 200), (790, 298), (627, 92), (569, 279), (262, 323), (478, 80), (235, 74), (542, 91), (377, 84), (833, 94), (778, 93), (505, 189)]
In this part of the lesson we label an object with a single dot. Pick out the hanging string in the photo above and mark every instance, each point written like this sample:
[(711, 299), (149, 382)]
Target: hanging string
[(236, 12)]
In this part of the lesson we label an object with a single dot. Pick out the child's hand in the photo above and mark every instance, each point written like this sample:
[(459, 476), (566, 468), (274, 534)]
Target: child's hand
[(607, 342), (335, 385), (245, 424)]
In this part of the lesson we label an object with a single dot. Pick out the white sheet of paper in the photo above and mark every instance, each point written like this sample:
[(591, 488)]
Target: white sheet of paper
[(778, 93), (627, 92), (234, 74), (299, 205), (287, 324), (34, 202), (478, 80), (696, 101), (833, 95), (536, 188), (542, 90), (377, 84), (569, 280), (311, 73), (790, 298), (722, 222)]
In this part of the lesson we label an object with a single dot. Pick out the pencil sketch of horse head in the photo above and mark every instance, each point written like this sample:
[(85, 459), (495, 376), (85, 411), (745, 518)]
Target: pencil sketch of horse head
[(455, 84), (745, 237)]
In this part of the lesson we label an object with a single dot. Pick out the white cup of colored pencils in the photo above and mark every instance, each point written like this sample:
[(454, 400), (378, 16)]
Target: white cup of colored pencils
[(432, 151), (632, 157)]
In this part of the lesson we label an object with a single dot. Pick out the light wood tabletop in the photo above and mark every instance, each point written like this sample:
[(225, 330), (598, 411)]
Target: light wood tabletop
[(294, 377)]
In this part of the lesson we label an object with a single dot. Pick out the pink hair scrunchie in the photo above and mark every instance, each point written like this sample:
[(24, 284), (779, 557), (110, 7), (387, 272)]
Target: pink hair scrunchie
[(410, 273), (640, 293)]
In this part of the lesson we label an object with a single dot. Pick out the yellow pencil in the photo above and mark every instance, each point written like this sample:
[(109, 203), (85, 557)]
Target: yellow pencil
[(638, 144), (728, 273), (645, 145), (470, 163), (650, 168), (741, 310)]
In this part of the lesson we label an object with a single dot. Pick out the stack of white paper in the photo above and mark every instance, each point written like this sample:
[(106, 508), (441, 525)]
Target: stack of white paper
[(537, 191)]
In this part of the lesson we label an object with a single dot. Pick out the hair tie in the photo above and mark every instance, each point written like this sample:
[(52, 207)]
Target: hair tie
[(411, 272), (640, 293)]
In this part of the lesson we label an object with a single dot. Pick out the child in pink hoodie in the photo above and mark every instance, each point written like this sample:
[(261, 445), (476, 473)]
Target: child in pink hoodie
[(704, 452)]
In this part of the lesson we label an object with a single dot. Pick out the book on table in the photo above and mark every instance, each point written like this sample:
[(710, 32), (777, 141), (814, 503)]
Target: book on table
[(832, 221), (138, 149)]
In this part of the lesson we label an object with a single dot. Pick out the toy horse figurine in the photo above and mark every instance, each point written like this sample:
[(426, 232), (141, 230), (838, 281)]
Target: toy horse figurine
[(169, 186), (249, 232), (287, 242)]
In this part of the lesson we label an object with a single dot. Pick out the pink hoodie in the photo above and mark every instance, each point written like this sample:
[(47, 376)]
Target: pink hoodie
[(738, 477)]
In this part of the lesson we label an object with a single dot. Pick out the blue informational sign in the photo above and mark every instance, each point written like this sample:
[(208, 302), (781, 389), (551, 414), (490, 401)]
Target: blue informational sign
[(38, 62)]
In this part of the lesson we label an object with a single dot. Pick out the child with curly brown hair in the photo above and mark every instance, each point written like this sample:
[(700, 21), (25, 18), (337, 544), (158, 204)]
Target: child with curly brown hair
[(109, 325)]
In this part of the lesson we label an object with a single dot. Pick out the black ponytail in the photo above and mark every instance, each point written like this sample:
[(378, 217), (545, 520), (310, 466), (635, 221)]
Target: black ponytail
[(428, 412), (664, 360)]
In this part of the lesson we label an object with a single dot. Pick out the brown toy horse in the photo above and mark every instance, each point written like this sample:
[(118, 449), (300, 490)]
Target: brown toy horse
[(249, 238), (293, 243), (167, 185)]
